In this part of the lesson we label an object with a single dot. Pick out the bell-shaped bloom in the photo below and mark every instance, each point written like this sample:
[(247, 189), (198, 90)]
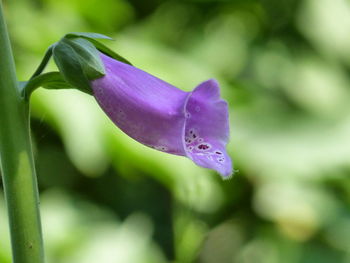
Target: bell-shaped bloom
[(193, 124)]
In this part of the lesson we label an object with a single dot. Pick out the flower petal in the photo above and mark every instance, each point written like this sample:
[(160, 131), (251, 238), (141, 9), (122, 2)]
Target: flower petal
[(143, 106), (206, 131), (163, 117)]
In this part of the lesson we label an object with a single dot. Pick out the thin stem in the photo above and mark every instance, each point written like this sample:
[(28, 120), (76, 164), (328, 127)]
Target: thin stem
[(44, 62), (17, 166), (50, 80)]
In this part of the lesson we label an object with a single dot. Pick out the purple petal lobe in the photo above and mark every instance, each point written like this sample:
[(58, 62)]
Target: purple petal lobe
[(207, 128), (143, 106)]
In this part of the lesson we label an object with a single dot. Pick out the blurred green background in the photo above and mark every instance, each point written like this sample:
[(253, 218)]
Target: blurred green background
[(284, 68)]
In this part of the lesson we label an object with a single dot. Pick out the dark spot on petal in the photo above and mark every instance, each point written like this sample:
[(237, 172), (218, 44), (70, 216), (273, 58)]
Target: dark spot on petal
[(218, 152), (188, 140), (203, 147), (221, 160)]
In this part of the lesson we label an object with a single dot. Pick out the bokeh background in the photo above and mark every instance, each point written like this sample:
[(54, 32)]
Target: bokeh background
[(284, 68)]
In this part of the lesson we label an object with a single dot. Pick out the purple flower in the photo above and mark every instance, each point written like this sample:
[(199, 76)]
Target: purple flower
[(193, 124)]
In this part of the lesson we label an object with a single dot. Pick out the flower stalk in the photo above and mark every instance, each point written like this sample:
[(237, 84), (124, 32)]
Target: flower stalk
[(17, 165)]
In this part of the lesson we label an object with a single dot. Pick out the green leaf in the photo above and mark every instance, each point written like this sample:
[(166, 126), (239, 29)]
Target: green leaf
[(51, 80), (87, 35), (88, 56), (68, 62)]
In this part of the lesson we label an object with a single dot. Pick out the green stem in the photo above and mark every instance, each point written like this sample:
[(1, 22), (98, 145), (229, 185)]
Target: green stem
[(43, 63), (17, 165), (50, 80)]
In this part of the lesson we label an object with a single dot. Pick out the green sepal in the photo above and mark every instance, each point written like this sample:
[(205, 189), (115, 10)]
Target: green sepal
[(88, 56), (70, 66), (87, 35), (109, 52), (101, 47), (50, 80), (78, 60)]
